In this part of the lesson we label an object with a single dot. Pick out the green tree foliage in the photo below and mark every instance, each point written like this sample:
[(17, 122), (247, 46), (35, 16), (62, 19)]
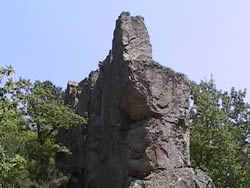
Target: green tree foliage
[(219, 124), (47, 114), (30, 117), (12, 125)]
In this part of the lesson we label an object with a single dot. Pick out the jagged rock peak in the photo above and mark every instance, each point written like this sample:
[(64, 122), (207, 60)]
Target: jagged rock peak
[(131, 39), (136, 135)]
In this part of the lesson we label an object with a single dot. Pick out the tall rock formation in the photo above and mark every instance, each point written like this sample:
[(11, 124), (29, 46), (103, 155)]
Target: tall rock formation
[(136, 135)]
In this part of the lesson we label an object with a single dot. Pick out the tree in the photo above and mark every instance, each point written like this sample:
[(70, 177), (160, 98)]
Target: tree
[(219, 124), (12, 123), (30, 116), (48, 114)]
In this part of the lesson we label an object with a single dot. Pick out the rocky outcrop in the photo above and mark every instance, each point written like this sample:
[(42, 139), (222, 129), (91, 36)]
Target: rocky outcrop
[(136, 135)]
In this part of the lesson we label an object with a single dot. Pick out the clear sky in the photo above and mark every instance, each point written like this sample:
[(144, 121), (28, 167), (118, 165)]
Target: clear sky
[(61, 40)]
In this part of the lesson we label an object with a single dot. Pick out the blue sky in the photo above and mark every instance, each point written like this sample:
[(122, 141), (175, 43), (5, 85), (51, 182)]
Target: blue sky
[(61, 40)]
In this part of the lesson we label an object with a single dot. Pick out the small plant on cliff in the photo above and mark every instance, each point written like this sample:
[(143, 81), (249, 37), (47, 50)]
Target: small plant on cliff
[(220, 122)]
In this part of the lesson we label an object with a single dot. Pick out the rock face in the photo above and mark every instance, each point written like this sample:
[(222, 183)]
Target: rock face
[(136, 135)]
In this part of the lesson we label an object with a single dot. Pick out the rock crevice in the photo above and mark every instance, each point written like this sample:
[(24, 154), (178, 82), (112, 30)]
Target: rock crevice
[(136, 135)]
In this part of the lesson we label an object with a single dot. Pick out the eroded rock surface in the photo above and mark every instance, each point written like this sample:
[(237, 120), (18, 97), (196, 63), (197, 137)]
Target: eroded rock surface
[(137, 109)]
